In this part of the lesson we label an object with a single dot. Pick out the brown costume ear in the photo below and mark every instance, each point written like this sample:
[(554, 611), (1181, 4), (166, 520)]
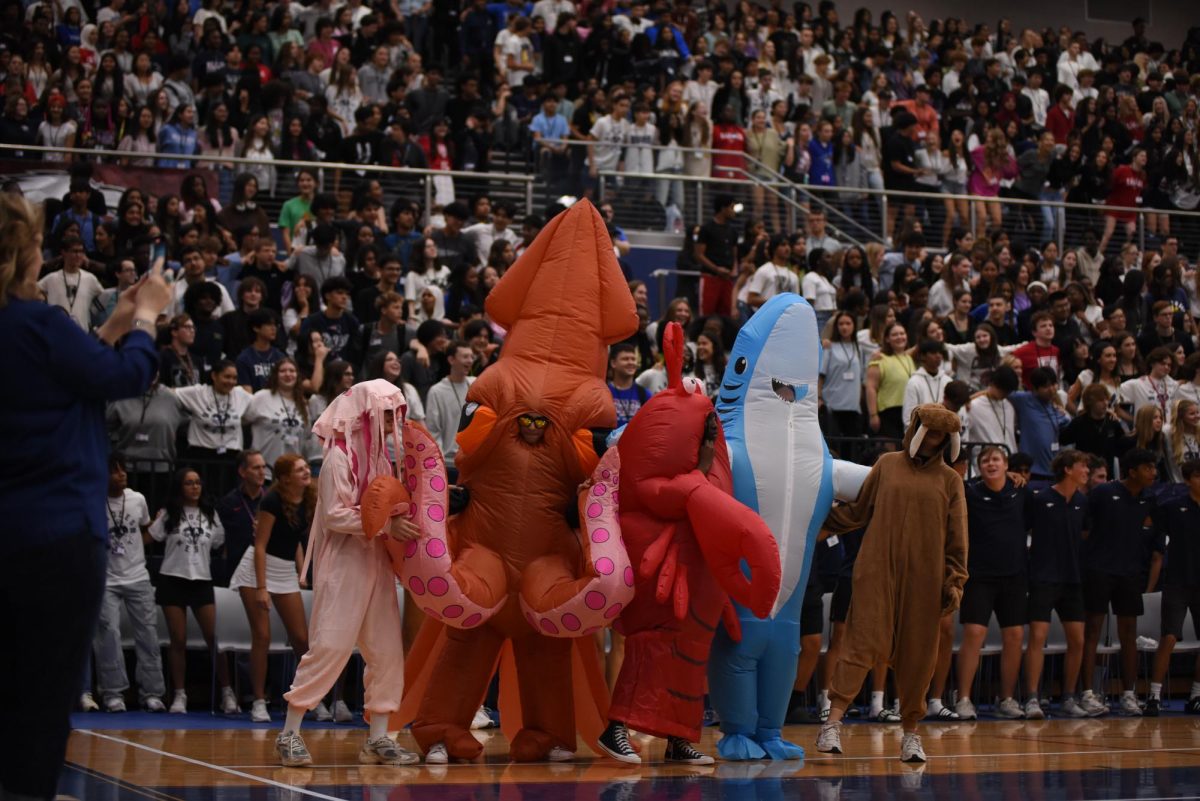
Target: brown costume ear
[(381, 497), (932, 417)]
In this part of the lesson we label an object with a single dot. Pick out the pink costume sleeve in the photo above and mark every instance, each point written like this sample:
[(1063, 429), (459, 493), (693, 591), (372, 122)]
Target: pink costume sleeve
[(336, 485)]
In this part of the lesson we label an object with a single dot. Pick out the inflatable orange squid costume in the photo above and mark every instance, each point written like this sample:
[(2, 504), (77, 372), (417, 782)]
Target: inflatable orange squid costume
[(509, 568)]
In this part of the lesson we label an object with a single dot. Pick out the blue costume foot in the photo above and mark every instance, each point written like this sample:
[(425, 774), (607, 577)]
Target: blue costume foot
[(739, 748), (778, 748)]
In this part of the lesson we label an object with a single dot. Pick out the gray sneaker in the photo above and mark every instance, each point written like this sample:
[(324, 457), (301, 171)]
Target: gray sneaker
[(1011, 710), (1130, 706), (910, 748), (293, 753), (1092, 705), (1033, 709), (966, 709), (1072, 708), (384, 751), (829, 739)]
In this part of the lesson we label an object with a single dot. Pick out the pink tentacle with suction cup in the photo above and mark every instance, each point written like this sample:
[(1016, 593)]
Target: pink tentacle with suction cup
[(600, 600), (429, 572)]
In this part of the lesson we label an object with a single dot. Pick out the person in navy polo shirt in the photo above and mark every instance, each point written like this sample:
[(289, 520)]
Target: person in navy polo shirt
[(1115, 560), (1055, 518), (996, 565), (1177, 525)]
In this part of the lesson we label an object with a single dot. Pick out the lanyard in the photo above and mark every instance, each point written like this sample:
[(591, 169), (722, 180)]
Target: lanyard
[(846, 353), (72, 291), (220, 416), (118, 527), (998, 412), (1160, 396)]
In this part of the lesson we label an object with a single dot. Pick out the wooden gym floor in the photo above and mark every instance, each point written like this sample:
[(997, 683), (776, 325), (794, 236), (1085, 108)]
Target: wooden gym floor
[(1107, 758)]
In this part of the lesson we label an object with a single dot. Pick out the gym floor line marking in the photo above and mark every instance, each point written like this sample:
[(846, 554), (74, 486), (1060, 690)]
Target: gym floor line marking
[(211, 766)]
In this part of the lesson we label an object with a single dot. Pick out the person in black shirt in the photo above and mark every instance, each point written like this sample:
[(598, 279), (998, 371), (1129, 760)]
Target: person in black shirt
[(900, 168), (1115, 556), (1055, 518), (269, 571), (237, 510), (454, 248), (997, 583), (1177, 525), (337, 326), (1096, 431), (364, 146), (716, 253)]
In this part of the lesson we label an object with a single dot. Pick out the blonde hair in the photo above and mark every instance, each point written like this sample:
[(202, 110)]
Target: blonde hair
[(1177, 429), (20, 239)]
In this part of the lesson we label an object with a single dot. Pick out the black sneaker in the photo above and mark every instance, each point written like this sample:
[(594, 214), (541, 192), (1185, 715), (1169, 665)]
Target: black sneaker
[(681, 751), (1193, 705), (615, 743), (1153, 707)]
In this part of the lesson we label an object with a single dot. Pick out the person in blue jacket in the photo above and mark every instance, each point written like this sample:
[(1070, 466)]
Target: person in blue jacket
[(53, 480)]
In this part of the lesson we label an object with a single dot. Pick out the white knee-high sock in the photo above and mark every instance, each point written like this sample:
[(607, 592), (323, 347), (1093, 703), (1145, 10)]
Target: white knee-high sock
[(379, 724), (295, 716)]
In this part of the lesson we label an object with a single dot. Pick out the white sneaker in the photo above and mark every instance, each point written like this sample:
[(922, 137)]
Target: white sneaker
[(154, 704), (1129, 705), (1033, 710), (829, 739), (258, 712), (482, 719), (384, 751), (88, 704), (114, 703), (559, 754), (229, 704), (910, 748), (342, 713), (1072, 709), (179, 703), (1010, 709), (436, 755), (966, 710), (322, 713), (293, 753), (1092, 705)]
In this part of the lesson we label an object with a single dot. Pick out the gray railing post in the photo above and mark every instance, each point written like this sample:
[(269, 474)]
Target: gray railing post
[(883, 217), (699, 204), (1142, 231), (528, 198), (1060, 228), (428, 199), (661, 275)]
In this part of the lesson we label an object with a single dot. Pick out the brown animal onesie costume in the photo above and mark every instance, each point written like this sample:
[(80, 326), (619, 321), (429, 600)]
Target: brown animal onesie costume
[(911, 568)]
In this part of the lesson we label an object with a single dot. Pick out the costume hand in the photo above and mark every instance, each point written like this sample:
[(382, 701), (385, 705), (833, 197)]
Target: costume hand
[(951, 597), (403, 529)]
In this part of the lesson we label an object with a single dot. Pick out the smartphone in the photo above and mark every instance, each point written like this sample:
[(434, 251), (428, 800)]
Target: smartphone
[(159, 251)]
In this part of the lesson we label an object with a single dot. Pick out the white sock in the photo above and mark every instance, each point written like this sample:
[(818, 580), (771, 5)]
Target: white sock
[(1128, 694), (1156, 690), (935, 706), (876, 702), (1195, 689), (379, 724), (295, 716), (823, 700)]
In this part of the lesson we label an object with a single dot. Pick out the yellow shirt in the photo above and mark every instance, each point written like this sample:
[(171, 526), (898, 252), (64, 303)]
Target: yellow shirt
[(894, 372)]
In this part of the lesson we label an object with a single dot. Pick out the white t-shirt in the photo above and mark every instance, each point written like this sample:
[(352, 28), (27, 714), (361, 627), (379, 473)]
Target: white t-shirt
[(521, 51), (276, 427), (216, 420), (992, 421), (189, 544), (609, 134), (126, 553), (1144, 391), (770, 280), (639, 155), (74, 293), (819, 292)]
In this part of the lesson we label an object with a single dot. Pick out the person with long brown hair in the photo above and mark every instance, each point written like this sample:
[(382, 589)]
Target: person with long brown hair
[(278, 414), (269, 573), (993, 163)]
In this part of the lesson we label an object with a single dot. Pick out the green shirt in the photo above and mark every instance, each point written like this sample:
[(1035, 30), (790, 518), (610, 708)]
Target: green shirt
[(292, 213)]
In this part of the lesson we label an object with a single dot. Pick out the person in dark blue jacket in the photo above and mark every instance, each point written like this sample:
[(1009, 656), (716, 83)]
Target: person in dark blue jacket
[(53, 479)]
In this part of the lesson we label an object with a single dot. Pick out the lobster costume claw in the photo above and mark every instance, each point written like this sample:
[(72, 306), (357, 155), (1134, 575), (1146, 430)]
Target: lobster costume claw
[(727, 537)]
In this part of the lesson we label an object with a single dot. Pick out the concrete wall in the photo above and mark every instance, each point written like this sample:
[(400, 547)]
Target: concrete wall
[(1168, 20)]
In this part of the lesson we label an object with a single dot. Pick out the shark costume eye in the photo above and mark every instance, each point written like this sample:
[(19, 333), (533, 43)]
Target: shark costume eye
[(739, 366)]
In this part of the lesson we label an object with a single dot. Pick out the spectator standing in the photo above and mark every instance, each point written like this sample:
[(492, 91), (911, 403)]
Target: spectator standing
[(887, 378), (72, 288), (716, 252), (1041, 418), (238, 507), (445, 400)]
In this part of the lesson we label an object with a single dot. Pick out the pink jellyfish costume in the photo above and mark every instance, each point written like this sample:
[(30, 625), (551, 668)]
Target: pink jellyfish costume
[(354, 591)]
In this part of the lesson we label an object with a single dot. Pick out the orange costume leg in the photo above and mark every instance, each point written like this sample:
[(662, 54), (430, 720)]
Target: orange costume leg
[(467, 660), (547, 713)]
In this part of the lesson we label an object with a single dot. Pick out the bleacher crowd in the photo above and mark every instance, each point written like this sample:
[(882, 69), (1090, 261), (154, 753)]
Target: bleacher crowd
[(1052, 335)]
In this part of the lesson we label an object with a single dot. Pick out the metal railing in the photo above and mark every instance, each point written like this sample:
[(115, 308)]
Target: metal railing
[(413, 183)]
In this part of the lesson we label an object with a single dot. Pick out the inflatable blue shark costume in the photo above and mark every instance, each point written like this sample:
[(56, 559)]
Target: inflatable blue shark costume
[(781, 469)]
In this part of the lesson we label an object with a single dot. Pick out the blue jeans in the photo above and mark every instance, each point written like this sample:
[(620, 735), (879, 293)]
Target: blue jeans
[(1051, 215)]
